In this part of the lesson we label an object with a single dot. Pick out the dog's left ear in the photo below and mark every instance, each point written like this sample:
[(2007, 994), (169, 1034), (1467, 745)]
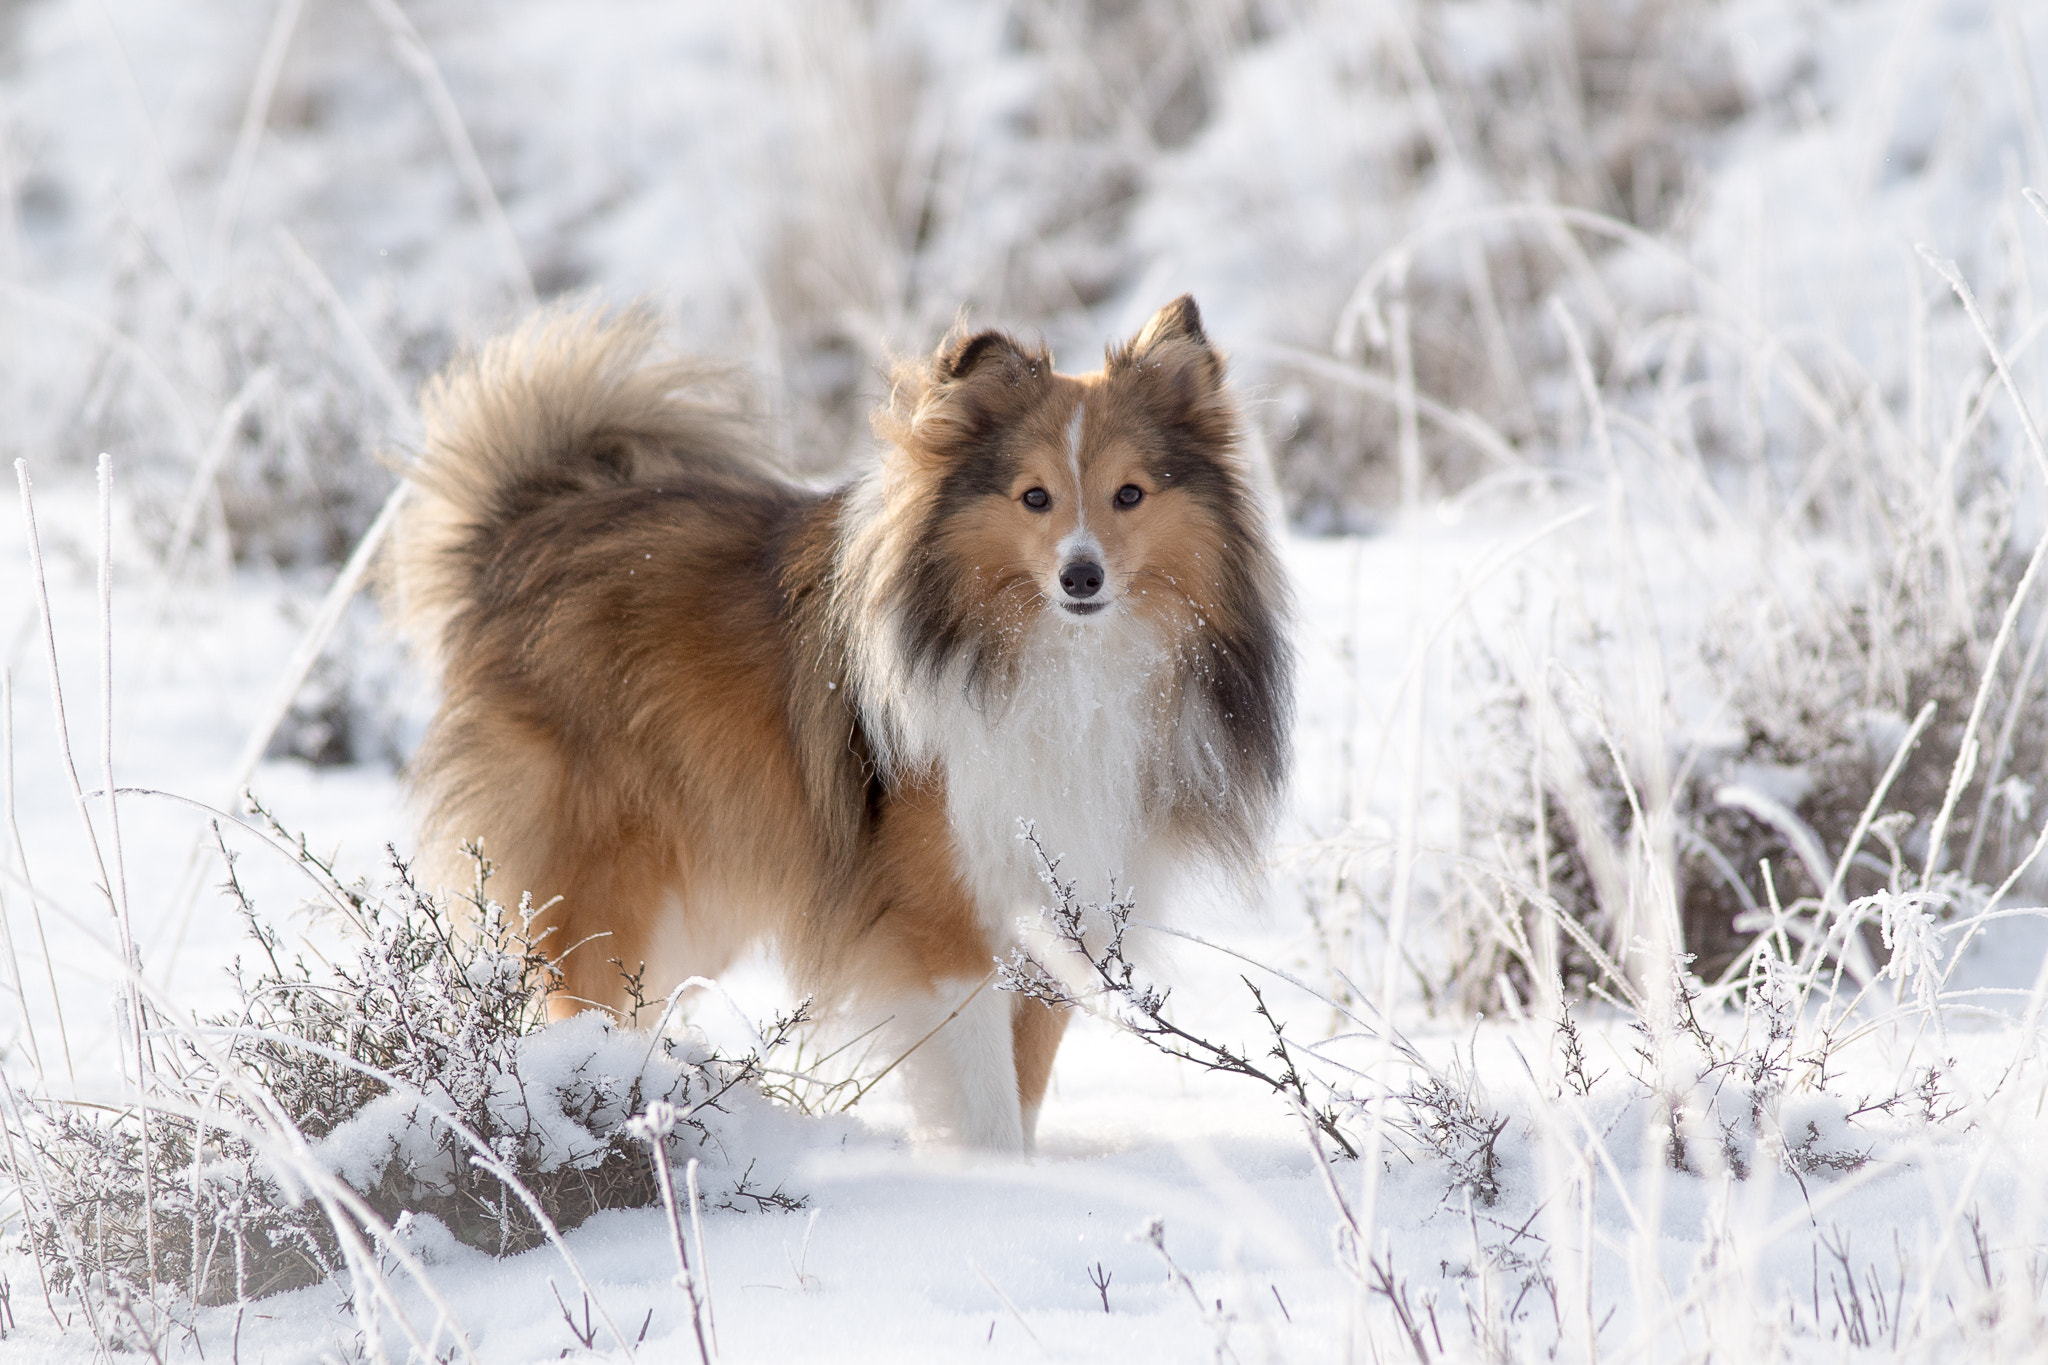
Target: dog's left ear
[(1171, 361), (1173, 345), (1179, 320)]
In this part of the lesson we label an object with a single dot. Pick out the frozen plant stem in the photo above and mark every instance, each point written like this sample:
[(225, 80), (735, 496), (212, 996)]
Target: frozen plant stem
[(118, 891), (697, 1232), (1009, 1305), (185, 526), (1142, 1012), (35, 554), (1952, 276), (28, 1022), (1218, 1320), (115, 889), (255, 116), (412, 53), (1100, 1278), (1966, 755), (307, 653), (1397, 910), (653, 1128), (1396, 1293)]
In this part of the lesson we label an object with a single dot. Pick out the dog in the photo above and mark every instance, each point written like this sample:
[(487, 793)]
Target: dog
[(692, 706)]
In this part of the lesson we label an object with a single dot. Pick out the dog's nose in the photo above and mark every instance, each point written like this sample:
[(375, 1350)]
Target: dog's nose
[(1081, 578)]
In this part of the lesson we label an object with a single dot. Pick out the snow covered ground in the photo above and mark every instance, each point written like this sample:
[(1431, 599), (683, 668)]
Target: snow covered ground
[(1676, 484), (921, 1254)]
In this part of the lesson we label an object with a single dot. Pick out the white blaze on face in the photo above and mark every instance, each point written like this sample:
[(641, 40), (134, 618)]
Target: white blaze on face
[(1079, 541)]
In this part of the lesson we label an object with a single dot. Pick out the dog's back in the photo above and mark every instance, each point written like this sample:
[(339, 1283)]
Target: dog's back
[(606, 576)]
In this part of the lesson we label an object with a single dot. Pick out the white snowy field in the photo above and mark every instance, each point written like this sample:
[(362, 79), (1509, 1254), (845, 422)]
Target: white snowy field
[(1868, 1230), (1628, 344)]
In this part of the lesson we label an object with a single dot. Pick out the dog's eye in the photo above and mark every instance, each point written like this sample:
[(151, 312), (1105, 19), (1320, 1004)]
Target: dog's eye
[(1130, 495), (1037, 499)]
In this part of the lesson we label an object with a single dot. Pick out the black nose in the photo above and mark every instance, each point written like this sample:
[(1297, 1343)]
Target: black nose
[(1082, 578)]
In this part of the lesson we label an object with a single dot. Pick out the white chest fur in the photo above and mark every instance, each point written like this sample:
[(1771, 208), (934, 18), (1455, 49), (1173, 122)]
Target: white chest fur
[(1082, 745)]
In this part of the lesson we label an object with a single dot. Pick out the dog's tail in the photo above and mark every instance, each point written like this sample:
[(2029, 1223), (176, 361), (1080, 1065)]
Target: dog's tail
[(573, 401)]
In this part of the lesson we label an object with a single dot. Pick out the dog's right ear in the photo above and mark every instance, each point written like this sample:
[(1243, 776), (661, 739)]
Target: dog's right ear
[(970, 385), (960, 355)]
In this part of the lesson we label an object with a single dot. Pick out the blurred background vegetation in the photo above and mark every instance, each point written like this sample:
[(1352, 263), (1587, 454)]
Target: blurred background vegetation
[(1468, 257)]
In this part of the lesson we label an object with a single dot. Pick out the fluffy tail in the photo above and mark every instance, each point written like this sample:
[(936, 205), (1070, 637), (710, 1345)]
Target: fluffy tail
[(571, 402)]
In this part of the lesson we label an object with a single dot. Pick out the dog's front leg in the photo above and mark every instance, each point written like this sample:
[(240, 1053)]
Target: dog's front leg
[(963, 1076), (1036, 1028)]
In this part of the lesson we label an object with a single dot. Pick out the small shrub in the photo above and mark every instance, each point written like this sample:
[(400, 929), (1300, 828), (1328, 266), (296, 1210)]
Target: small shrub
[(423, 1073)]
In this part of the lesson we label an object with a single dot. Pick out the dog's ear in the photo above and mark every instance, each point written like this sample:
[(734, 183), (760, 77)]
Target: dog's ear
[(1177, 321), (961, 354), (1173, 347), (1178, 374), (971, 385)]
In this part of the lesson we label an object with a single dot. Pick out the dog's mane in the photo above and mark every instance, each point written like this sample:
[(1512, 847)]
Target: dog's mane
[(915, 634)]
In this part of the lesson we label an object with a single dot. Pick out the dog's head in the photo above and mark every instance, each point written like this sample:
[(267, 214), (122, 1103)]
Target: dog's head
[(1079, 498)]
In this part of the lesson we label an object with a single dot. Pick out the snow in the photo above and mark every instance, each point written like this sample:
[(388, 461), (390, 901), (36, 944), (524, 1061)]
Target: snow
[(806, 189)]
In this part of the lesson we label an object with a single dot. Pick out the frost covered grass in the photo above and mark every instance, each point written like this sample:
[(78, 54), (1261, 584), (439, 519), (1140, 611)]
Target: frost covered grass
[(1653, 969), (364, 1115), (1843, 1177)]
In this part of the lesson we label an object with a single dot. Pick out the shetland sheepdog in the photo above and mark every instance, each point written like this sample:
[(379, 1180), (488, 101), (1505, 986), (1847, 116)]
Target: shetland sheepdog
[(692, 706)]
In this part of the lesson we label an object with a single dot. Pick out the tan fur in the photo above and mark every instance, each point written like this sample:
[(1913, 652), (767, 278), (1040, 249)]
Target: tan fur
[(1037, 1029)]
